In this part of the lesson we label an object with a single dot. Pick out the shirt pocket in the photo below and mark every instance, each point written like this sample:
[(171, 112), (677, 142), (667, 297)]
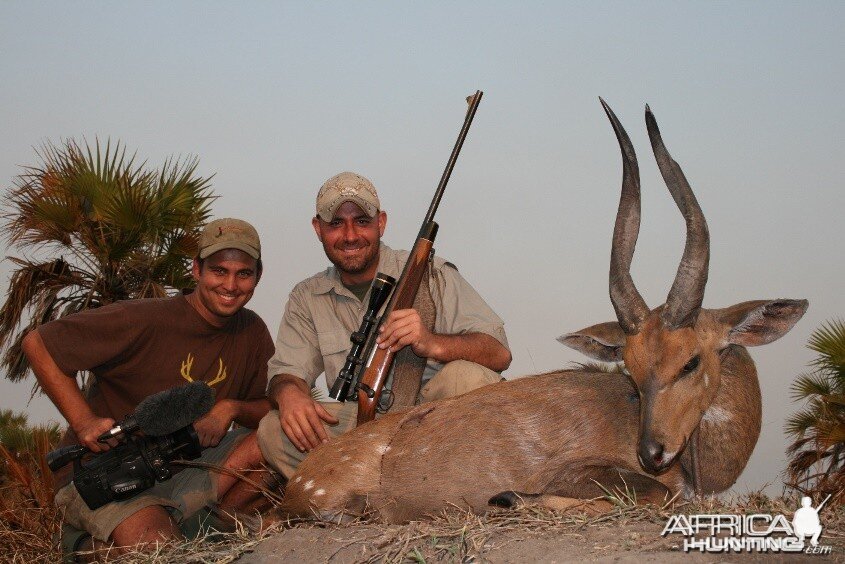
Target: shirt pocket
[(334, 346)]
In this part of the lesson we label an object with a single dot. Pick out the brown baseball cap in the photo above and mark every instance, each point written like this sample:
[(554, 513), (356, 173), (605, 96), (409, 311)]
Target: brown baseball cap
[(346, 187), (229, 233)]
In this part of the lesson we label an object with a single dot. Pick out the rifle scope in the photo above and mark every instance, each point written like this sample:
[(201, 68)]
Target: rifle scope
[(380, 290)]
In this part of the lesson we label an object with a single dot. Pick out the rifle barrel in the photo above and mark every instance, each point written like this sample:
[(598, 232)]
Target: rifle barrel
[(372, 375), (474, 100)]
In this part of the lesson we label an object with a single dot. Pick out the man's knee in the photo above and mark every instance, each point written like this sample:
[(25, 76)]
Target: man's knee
[(268, 431), (456, 378), (101, 523), (276, 449), (246, 455), (269, 437), (280, 454), (150, 524), (244, 464)]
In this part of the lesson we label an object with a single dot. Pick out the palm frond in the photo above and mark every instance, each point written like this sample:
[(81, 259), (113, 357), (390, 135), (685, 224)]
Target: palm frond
[(105, 227), (808, 385), (25, 439), (830, 433), (829, 341), (804, 460), (9, 418), (28, 284), (798, 445), (817, 454), (836, 400), (799, 423)]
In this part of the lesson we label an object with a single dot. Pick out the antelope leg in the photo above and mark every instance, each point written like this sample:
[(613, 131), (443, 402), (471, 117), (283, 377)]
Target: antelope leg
[(592, 491), (602, 481), (515, 500)]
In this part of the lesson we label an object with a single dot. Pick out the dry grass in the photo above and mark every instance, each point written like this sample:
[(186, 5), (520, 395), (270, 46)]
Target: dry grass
[(28, 522), (457, 535), (212, 548), (460, 536), (28, 518)]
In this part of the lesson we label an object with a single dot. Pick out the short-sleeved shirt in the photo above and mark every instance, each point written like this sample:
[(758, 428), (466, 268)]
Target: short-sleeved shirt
[(322, 313), (140, 347)]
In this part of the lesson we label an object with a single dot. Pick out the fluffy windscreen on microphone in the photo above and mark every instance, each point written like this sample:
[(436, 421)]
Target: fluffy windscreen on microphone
[(168, 411)]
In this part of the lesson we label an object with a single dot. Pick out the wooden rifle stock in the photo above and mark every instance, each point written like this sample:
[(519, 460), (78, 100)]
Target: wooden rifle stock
[(375, 371)]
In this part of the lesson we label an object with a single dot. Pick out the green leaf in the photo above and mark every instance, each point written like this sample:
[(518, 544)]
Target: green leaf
[(104, 226)]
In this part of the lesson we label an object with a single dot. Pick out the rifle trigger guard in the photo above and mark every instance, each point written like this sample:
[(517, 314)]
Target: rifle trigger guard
[(371, 393)]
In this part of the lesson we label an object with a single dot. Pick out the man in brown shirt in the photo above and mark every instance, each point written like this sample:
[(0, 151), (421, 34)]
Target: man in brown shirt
[(139, 347)]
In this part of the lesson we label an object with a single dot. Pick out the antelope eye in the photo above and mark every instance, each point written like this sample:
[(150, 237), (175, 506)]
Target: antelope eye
[(691, 365)]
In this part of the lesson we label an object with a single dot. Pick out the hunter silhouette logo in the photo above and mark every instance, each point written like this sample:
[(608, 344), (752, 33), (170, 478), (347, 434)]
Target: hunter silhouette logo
[(806, 521), (759, 532), (188, 364)]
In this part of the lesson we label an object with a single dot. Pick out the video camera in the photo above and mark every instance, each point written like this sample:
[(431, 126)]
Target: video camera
[(137, 463)]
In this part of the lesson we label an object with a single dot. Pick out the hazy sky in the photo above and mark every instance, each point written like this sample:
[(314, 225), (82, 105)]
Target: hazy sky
[(276, 97)]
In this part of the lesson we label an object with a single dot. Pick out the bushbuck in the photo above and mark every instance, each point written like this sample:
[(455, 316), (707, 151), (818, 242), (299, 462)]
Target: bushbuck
[(684, 418)]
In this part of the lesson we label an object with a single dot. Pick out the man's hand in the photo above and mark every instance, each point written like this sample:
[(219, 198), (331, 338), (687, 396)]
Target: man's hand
[(300, 416), (90, 428), (212, 427), (404, 327)]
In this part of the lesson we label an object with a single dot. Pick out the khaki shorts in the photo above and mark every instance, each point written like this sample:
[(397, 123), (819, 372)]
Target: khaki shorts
[(183, 495), (455, 378)]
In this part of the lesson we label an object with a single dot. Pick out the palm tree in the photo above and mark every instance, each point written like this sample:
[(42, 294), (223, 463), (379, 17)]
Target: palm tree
[(817, 455), (94, 227), (18, 436)]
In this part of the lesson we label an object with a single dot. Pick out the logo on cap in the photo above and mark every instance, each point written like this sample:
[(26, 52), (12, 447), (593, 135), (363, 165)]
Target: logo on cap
[(223, 229), (229, 233), (344, 187)]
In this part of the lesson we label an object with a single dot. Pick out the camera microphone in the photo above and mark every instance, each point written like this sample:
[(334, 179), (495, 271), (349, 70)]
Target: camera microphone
[(136, 464), (166, 412)]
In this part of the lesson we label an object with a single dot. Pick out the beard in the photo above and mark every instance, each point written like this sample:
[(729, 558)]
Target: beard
[(358, 263)]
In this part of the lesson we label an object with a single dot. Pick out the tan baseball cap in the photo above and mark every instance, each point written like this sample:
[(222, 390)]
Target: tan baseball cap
[(346, 187), (229, 233)]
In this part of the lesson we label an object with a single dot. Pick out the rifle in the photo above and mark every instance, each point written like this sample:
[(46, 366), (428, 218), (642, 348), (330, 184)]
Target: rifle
[(819, 508), (374, 370)]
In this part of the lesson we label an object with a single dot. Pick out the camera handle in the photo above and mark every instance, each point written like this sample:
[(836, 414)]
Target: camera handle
[(59, 457)]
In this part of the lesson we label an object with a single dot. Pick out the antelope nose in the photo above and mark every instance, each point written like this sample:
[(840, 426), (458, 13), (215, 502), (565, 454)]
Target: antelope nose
[(651, 456)]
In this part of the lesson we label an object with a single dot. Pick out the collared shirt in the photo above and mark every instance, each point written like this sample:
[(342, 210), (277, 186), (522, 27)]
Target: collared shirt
[(321, 314)]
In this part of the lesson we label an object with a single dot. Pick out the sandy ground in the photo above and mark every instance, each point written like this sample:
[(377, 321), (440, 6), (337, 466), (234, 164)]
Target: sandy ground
[(625, 542)]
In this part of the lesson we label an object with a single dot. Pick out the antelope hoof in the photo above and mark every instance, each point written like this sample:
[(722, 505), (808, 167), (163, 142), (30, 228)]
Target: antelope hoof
[(509, 500)]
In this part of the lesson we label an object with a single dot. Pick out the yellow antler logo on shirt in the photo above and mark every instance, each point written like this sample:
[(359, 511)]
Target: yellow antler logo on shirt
[(188, 363)]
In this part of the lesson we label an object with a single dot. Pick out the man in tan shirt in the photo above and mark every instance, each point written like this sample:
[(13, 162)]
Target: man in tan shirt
[(466, 349)]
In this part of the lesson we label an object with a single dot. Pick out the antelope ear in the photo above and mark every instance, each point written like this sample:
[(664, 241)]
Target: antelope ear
[(603, 342), (760, 322)]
